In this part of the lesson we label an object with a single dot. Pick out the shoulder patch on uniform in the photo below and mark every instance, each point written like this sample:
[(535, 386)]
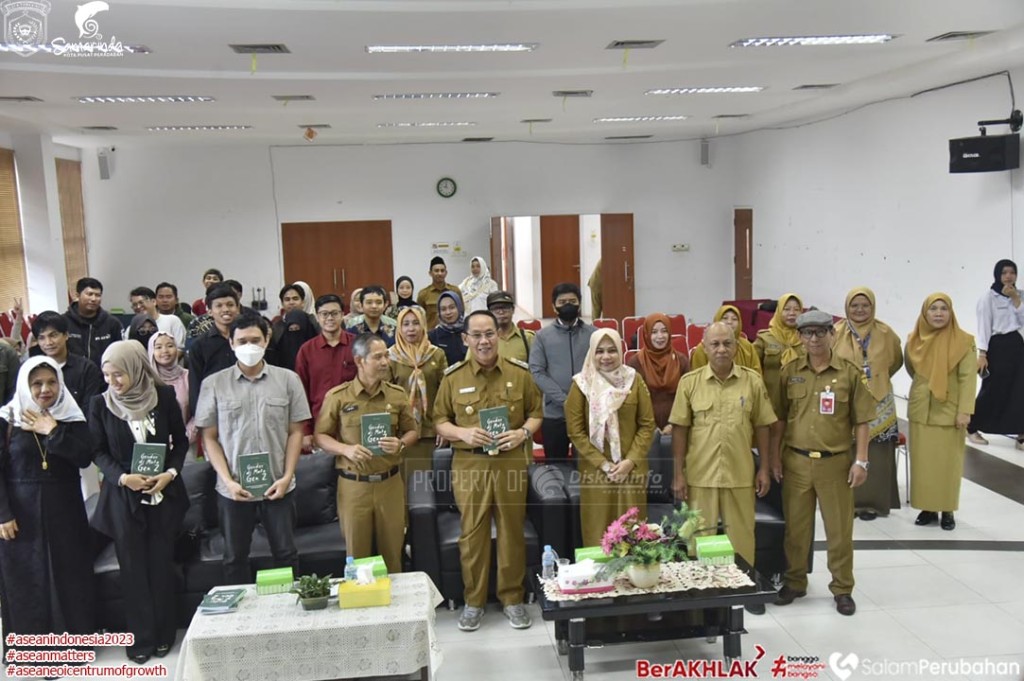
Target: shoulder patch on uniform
[(519, 363), (454, 367), (335, 389)]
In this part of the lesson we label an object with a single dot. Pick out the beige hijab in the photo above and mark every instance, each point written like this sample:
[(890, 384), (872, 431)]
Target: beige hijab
[(140, 398), (605, 392), (880, 354), (932, 352)]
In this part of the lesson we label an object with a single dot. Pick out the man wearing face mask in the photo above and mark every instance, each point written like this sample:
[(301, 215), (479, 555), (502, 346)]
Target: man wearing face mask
[(556, 356), (249, 408)]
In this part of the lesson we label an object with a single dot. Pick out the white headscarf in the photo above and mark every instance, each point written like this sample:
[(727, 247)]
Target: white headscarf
[(605, 392), (64, 409), (475, 289), (308, 303)]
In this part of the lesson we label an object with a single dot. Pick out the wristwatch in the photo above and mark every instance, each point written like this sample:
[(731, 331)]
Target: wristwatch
[(862, 464), (527, 433)]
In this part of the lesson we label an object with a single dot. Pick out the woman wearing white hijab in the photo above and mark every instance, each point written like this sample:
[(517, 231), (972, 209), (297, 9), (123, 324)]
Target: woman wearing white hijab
[(308, 301), (610, 420), (476, 287), (46, 578), (142, 513)]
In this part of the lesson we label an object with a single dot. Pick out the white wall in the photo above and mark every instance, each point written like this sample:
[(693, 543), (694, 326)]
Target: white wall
[(867, 199), (590, 255)]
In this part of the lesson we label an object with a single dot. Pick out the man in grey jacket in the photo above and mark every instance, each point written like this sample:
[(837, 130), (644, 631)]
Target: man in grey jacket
[(556, 356)]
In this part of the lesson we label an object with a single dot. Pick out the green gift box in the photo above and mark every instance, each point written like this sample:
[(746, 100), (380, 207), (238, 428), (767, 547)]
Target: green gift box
[(379, 568), (715, 550), (276, 581), (594, 553)]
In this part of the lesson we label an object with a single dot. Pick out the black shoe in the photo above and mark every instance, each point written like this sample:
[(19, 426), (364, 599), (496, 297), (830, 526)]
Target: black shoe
[(926, 518), (161, 651), (845, 604), (139, 659), (948, 521), (867, 515), (787, 595), (755, 609)]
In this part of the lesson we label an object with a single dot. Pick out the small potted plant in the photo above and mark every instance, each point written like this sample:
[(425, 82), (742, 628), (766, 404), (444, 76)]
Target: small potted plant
[(313, 592), (639, 548)]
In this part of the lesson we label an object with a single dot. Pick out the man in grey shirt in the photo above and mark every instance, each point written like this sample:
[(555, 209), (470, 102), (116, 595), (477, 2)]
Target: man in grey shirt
[(253, 407), (556, 355)]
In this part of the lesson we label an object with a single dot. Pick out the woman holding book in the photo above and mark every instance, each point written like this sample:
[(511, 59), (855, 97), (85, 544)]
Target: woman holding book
[(610, 420), (46, 580), (142, 512)]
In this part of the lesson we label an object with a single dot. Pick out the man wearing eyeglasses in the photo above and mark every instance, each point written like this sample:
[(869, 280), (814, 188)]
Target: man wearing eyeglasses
[(325, 361), (824, 399), (489, 473)]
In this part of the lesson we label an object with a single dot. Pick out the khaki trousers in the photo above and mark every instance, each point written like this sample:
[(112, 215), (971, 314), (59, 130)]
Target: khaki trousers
[(373, 512), (735, 507), (416, 460), (806, 481), (486, 487)]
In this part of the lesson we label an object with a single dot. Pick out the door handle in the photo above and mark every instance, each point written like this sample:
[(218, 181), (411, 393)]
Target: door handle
[(344, 285), (625, 266), (335, 278)]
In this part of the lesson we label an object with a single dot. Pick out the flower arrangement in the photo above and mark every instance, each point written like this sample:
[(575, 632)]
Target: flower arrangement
[(630, 540)]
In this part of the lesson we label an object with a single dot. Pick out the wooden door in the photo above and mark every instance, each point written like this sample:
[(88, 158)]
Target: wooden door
[(743, 254), (559, 254), (618, 282), (337, 257)]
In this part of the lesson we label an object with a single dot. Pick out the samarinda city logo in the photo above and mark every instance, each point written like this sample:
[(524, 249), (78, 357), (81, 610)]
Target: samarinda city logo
[(25, 31)]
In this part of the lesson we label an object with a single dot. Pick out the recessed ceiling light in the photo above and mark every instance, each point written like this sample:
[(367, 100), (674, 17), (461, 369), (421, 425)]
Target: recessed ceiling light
[(438, 95), (491, 47), (816, 40), (428, 124), (196, 128), (721, 90), (639, 119), (143, 99)]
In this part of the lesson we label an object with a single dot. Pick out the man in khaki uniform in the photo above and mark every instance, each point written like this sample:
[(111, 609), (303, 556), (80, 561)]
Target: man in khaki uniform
[(427, 297), (824, 398), (489, 481), (717, 412), (371, 492), (513, 342)]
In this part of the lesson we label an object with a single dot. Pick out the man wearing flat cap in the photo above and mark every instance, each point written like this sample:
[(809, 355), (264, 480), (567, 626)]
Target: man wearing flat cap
[(824, 399), (427, 297), (513, 342)]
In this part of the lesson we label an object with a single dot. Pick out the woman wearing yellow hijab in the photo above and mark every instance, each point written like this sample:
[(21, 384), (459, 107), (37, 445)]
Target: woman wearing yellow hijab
[(417, 366), (943, 361), (746, 356), (778, 344), (875, 348)]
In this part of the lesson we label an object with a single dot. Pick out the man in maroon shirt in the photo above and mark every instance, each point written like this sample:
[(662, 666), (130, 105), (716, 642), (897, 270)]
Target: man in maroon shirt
[(325, 361)]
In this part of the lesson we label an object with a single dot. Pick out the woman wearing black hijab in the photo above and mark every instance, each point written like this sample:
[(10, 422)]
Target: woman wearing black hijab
[(405, 293), (1000, 405)]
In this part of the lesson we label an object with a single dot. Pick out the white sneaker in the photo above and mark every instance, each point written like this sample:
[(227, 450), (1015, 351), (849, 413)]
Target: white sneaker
[(470, 618)]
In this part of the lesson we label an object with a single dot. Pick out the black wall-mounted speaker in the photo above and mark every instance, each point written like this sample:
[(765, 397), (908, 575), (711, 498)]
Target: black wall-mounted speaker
[(986, 154)]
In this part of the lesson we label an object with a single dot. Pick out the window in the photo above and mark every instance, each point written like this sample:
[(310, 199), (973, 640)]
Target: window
[(12, 248), (72, 219)]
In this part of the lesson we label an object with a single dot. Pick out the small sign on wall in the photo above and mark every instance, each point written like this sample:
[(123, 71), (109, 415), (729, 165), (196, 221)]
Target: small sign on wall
[(440, 248)]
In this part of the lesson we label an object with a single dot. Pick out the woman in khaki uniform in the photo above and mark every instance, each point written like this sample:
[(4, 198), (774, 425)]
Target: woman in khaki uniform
[(943, 361), (746, 355), (610, 420), (417, 366), (876, 349), (778, 344)]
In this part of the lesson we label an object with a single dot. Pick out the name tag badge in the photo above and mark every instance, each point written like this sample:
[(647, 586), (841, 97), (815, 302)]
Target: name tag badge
[(827, 402), (350, 408), (470, 389)]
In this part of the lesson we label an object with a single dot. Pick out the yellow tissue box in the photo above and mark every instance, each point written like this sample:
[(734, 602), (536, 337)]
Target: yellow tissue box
[(352, 595)]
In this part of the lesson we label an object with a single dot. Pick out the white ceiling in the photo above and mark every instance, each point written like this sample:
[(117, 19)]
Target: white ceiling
[(328, 60)]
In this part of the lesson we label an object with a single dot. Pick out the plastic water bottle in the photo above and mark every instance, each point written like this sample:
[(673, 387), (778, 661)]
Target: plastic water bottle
[(547, 562), (350, 569)]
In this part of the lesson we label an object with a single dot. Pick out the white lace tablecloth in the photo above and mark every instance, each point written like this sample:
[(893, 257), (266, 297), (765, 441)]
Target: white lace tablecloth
[(681, 576), (271, 638)]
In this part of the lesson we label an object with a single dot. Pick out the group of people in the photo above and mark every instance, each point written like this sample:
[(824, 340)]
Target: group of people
[(813, 396)]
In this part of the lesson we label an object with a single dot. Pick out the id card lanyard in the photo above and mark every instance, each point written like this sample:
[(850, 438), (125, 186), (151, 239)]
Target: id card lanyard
[(863, 343)]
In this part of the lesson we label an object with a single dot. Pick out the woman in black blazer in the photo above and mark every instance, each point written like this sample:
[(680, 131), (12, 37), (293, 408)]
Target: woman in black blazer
[(141, 513)]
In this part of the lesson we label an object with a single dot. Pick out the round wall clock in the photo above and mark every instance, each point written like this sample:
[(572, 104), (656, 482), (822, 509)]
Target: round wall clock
[(446, 187)]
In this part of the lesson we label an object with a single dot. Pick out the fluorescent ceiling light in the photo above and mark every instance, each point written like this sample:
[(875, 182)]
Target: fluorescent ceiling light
[(196, 128), (491, 47), (143, 99), (816, 40), (639, 119), (727, 90), (428, 124), (438, 95)]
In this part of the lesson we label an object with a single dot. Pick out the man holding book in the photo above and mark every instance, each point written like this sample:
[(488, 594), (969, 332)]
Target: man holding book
[(252, 415), (489, 408), (367, 424)]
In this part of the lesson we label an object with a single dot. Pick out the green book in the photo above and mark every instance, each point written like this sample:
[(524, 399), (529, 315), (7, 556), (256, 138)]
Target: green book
[(374, 427), (221, 601), (495, 422), (254, 473), (148, 458)]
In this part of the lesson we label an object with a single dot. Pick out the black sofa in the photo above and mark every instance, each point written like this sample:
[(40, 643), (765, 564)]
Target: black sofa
[(199, 550)]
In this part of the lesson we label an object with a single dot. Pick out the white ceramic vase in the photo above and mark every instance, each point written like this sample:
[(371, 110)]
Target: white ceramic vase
[(644, 576)]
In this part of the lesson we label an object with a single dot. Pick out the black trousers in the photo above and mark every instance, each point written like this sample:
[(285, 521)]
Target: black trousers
[(145, 554), (238, 520), (1000, 405), (556, 439)]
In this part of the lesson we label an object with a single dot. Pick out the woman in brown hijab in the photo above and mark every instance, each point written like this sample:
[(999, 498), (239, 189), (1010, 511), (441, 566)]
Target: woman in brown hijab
[(875, 348), (943, 361), (660, 366)]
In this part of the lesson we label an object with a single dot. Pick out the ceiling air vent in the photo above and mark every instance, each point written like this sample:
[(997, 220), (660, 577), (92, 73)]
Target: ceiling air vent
[(315, 126), (816, 86), (536, 120), (629, 137), (20, 99), (99, 128), (730, 116), (633, 44), (294, 98), (477, 139), (958, 35), (573, 93), (257, 48)]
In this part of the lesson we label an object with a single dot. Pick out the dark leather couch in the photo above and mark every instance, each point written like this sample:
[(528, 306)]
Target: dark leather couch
[(200, 548)]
